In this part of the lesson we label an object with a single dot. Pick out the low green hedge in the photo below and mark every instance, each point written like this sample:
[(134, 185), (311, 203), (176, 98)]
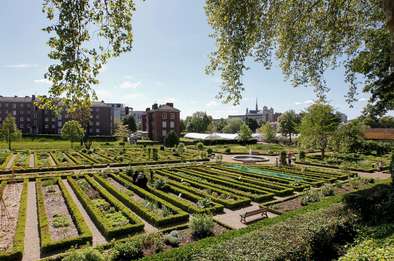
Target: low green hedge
[(16, 252), (215, 187), (258, 195), (47, 244), (96, 214), (182, 202), (278, 190), (326, 165), (231, 204), (179, 217), (277, 180)]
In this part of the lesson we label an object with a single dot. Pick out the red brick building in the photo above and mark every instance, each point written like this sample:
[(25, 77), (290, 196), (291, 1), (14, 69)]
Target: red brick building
[(161, 120)]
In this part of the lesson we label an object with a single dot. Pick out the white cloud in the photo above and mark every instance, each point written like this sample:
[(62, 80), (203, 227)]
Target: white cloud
[(21, 66), (307, 102), (212, 103), (43, 81), (129, 85)]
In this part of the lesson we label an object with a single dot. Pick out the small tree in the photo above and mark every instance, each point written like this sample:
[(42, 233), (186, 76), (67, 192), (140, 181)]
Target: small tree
[(121, 133), (9, 130), (245, 133), (181, 149), (72, 131), (288, 123), (130, 123), (268, 132), (171, 140), (200, 145)]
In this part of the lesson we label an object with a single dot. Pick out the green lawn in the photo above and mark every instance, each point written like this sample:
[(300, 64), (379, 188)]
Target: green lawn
[(270, 148)]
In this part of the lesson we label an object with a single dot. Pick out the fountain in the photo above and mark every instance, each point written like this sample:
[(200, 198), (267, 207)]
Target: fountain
[(250, 158)]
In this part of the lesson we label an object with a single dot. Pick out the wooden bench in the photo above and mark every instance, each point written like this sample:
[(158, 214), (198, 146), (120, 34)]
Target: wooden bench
[(261, 211)]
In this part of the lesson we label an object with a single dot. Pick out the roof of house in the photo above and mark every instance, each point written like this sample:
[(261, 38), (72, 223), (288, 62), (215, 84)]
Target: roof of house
[(379, 134), (15, 99)]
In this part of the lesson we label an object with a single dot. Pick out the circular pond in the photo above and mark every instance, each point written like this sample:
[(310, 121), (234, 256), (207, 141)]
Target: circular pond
[(250, 158)]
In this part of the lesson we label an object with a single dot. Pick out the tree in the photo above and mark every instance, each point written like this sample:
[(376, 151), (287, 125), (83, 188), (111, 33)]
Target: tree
[(288, 123), (348, 137), (245, 133), (307, 37), (72, 131), (268, 132), (9, 131), (121, 132), (180, 149), (130, 123), (171, 140), (317, 127), (198, 122), (84, 35), (233, 125), (182, 125), (252, 124)]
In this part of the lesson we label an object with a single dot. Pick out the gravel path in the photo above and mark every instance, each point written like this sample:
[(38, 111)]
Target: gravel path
[(98, 238), (11, 161), (32, 239)]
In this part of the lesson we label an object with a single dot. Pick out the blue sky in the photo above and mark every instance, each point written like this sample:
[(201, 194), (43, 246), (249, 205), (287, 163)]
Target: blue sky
[(167, 63)]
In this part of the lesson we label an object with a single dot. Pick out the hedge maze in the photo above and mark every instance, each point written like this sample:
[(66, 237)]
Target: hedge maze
[(119, 205)]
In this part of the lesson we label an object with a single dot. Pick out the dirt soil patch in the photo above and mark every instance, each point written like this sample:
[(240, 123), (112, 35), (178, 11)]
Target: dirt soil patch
[(11, 196), (56, 210)]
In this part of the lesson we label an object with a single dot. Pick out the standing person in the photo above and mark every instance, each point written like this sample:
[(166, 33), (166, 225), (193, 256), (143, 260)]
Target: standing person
[(276, 162), (289, 158)]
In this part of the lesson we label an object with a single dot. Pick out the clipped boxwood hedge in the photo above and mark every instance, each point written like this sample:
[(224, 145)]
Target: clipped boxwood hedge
[(47, 244), (179, 217), (96, 214), (16, 252)]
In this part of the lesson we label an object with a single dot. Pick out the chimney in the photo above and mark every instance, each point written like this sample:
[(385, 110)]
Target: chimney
[(155, 107), (170, 104)]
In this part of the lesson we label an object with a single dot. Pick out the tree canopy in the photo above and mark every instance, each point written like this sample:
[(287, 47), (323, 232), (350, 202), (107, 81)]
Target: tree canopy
[(130, 123), (268, 132), (9, 131), (307, 37), (198, 122), (318, 125), (232, 125), (289, 123), (72, 131), (84, 35), (245, 133)]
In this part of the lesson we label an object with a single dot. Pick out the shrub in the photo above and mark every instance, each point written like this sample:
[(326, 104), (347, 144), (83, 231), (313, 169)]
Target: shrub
[(200, 145), (88, 254), (204, 203), (302, 155), (172, 238), (155, 154), (283, 157), (327, 190), (159, 184), (227, 150), (209, 151), (201, 225), (126, 251), (310, 196), (171, 140), (153, 241)]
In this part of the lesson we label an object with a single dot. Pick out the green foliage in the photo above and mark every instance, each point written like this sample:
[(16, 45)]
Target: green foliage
[(130, 123), (327, 190), (289, 123), (171, 140), (252, 124), (121, 133), (153, 241), (200, 145), (317, 127), (87, 254), (328, 33), (232, 125), (392, 168), (302, 155), (201, 225), (283, 158), (348, 137), (9, 131), (311, 196), (198, 122), (245, 133), (204, 203), (72, 131), (268, 132), (126, 251), (181, 148), (83, 37), (60, 221)]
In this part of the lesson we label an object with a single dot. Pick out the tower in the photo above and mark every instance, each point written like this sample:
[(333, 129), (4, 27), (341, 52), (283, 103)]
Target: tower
[(257, 106)]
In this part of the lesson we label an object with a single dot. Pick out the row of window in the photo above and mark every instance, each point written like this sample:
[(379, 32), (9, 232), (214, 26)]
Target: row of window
[(164, 124), (15, 105), (164, 115)]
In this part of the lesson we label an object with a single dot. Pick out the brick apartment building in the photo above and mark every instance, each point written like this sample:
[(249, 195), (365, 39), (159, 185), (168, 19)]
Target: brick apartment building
[(32, 121), (161, 120)]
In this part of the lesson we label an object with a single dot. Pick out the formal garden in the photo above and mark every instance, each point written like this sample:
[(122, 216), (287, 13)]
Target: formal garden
[(139, 211)]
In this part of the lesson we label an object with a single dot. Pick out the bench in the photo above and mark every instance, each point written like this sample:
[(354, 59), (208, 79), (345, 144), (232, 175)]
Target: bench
[(261, 211)]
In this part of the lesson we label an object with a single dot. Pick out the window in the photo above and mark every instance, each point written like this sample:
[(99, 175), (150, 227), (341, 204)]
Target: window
[(97, 130), (28, 118), (172, 124), (164, 124), (22, 119), (14, 105), (164, 115), (14, 113), (172, 116), (97, 123), (46, 126), (164, 133), (46, 119), (53, 126)]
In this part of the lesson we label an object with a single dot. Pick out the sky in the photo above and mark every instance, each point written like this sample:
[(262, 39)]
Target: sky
[(166, 64)]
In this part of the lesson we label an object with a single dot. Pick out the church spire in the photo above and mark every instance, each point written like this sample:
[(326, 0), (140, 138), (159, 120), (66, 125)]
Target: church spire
[(257, 106)]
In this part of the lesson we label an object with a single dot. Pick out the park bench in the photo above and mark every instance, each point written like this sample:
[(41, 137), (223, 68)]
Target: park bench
[(261, 210)]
